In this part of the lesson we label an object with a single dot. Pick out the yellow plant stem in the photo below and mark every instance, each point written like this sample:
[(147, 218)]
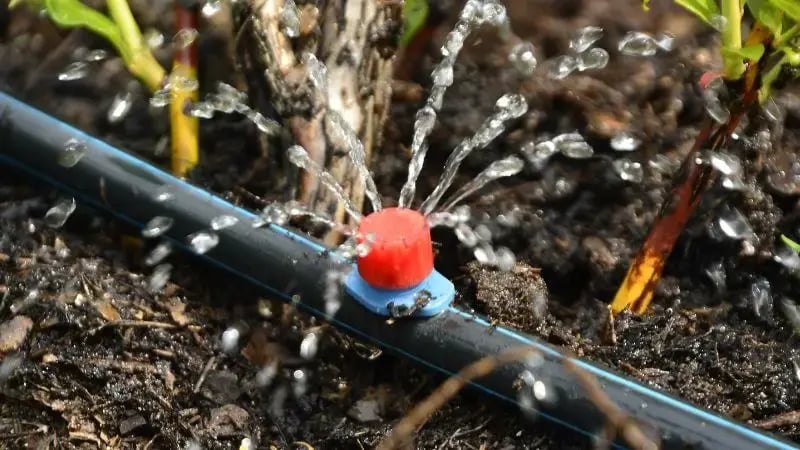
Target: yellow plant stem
[(142, 64), (732, 38), (184, 128)]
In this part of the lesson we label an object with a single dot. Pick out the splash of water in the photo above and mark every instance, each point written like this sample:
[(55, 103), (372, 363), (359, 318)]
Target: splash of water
[(299, 157), (508, 107), (342, 131), (502, 168), (474, 13)]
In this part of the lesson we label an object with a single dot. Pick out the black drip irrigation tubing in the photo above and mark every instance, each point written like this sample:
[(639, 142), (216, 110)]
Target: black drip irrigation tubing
[(289, 266)]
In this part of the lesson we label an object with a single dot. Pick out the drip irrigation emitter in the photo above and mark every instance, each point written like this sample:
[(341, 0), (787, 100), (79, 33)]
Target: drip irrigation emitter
[(288, 265)]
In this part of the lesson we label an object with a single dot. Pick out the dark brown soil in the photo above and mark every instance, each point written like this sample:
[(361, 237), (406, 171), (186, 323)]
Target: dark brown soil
[(103, 362)]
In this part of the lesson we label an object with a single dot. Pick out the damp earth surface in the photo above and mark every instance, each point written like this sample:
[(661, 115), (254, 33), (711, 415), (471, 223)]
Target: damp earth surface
[(105, 343)]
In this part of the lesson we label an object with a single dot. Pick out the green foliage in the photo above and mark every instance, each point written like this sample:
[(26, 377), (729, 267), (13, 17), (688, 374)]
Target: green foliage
[(780, 17), (415, 13), (790, 7), (752, 52), (704, 9), (120, 29), (73, 13), (768, 14), (790, 242)]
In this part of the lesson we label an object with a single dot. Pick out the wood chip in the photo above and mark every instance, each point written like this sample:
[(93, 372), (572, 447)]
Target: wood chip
[(14, 332)]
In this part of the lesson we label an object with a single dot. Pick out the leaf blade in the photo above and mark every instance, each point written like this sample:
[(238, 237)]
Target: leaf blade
[(73, 13), (704, 9)]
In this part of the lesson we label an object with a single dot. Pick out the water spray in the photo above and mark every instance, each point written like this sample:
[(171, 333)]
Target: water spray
[(288, 265)]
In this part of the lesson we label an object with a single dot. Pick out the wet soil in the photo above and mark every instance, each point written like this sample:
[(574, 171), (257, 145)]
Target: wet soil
[(101, 361)]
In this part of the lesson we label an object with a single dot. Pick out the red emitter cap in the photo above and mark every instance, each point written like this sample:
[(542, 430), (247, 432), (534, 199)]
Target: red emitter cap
[(401, 253)]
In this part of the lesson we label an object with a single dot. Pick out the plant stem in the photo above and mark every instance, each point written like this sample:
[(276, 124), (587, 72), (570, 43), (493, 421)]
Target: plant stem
[(732, 38), (183, 127), (636, 290), (139, 60)]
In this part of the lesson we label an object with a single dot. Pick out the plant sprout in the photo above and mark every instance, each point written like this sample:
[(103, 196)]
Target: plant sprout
[(751, 66), (120, 29)]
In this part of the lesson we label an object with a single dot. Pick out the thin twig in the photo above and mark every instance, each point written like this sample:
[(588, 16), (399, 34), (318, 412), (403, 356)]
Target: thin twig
[(417, 417), (209, 365), (621, 422)]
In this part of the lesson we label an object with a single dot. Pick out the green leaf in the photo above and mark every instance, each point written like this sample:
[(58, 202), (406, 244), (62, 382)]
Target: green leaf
[(415, 13), (768, 14), (790, 7), (73, 13), (704, 9), (751, 52), (792, 244)]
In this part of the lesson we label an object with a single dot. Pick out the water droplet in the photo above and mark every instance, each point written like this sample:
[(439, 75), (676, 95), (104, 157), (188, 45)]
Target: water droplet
[(585, 38), (663, 164), (787, 257), (211, 7), (74, 151), (160, 98), (725, 163), (183, 83), (163, 194), (153, 38), (625, 142), (203, 241), (158, 254), (274, 213), (230, 339), (485, 255), (636, 43), (333, 286), (317, 72), (184, 38), (300, 383), (309, 346), (502, 168), (772, 111), (96, 55), (493, 13), (120, 107), (290, 19), (157, 226), (733, 183), (538, 154), (74, 71), (505, 259), (57, 216), (299, 157), (716, 273), (629, 170), (263, 123), (791, 312), (223, 221), (715, 108), (158, 279), (466, 235), (718, 22), (572, 145), (666, 42), (562, 66), (734, 225), (202, 110), (523, 58), (442, 75), (596, 58), (761, 298), (246, 444), (511, 106)]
